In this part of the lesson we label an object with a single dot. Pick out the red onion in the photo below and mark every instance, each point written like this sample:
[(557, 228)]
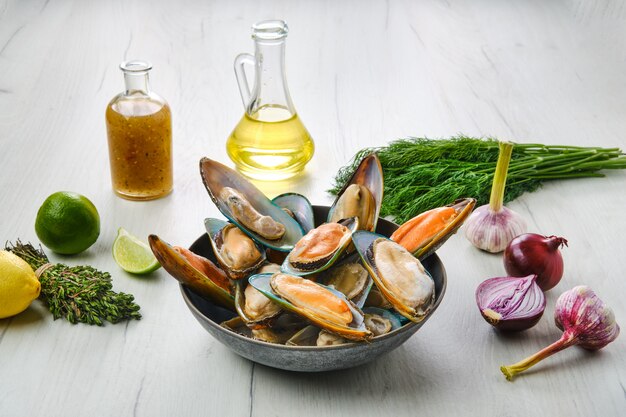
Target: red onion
[(531, 253), (585, 321), (510, 303)]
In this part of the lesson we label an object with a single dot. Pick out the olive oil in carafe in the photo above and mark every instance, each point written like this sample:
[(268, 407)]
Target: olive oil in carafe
[(270, 144)]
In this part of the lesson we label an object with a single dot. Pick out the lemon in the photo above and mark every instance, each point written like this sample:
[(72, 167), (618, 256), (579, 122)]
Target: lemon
[(133, 255), (67, 223), (18, 285)]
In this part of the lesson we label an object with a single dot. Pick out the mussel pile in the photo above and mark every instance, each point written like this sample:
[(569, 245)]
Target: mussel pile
[(292, 283)]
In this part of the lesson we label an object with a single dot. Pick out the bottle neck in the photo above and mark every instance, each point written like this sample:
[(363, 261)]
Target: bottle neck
[(270, 87), (136, 82)]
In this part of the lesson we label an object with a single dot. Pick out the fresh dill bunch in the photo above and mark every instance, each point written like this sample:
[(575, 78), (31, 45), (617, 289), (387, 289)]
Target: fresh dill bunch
[(421, 173), (78, 293)]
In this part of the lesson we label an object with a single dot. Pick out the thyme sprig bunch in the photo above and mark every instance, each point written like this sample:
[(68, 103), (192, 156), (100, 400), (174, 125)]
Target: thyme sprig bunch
[(78, 293), (421, 173)]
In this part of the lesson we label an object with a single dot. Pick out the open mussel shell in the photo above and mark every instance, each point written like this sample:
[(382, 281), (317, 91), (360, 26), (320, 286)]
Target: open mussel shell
[(253, 307), (305, 337), (350, 278), (271, 335), (216, 177), (353, 200), (301, 357), (376, 299), (210, 282), (283, 329), (405, 283), (294, 265), (299, 206), (394, 320), (278, 335), (237, 258), (426, 232), (355, 330), (237, 325)]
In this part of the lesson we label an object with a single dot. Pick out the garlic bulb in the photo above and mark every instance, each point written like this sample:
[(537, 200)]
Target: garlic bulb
[(491, 227), (585, 321), (491, 230)]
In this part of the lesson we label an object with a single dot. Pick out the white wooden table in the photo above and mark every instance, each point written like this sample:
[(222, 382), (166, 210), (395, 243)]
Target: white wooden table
[(361, 74)]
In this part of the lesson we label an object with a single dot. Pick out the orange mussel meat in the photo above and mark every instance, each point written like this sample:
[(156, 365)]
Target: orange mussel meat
[(426, 232), (319, 244), (306, 294)]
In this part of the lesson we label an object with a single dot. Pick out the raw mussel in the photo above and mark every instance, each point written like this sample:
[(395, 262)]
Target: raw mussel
[(426, 232), (320, 248), (247, 207), (253, 307), (376, 320), (326, 338), (236, 252), (280, 333), (195, 271), (398, 275), (323, 306), (361, 196), (350, 278), (380, 321), (248, 216)]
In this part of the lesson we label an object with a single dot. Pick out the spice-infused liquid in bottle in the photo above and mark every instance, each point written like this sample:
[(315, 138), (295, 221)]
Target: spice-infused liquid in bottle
[(270, 142), (139, 127)]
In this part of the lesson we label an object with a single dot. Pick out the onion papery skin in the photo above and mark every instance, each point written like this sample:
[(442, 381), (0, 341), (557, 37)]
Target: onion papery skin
[(491, 230), (532, 253), (511, 303)]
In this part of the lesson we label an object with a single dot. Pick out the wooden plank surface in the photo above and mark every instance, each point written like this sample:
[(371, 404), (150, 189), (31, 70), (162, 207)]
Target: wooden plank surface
[(361, 73)]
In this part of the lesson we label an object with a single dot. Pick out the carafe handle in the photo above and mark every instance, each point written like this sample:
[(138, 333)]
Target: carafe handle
[(240, 74)]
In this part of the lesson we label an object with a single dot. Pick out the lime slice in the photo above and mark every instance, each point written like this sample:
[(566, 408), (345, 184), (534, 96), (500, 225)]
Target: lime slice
[(133, 255)]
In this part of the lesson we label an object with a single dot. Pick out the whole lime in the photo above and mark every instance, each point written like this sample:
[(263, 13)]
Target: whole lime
[(67, 223)]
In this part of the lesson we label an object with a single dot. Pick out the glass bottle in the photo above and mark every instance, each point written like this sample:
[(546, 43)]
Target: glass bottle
[(139, 127), (270, 142)]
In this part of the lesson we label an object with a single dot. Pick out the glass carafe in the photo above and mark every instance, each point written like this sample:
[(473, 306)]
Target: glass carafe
[(270, 142), (139, 127)]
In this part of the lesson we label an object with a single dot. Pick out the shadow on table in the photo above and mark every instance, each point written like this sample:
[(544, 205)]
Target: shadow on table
[(34, 314), (398, 374)]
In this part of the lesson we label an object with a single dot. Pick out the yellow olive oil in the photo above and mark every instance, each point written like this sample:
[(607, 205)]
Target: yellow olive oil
[(271, 144)]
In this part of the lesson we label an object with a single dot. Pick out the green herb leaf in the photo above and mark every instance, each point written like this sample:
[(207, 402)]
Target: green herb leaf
[(421, 173), (78, 293)]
